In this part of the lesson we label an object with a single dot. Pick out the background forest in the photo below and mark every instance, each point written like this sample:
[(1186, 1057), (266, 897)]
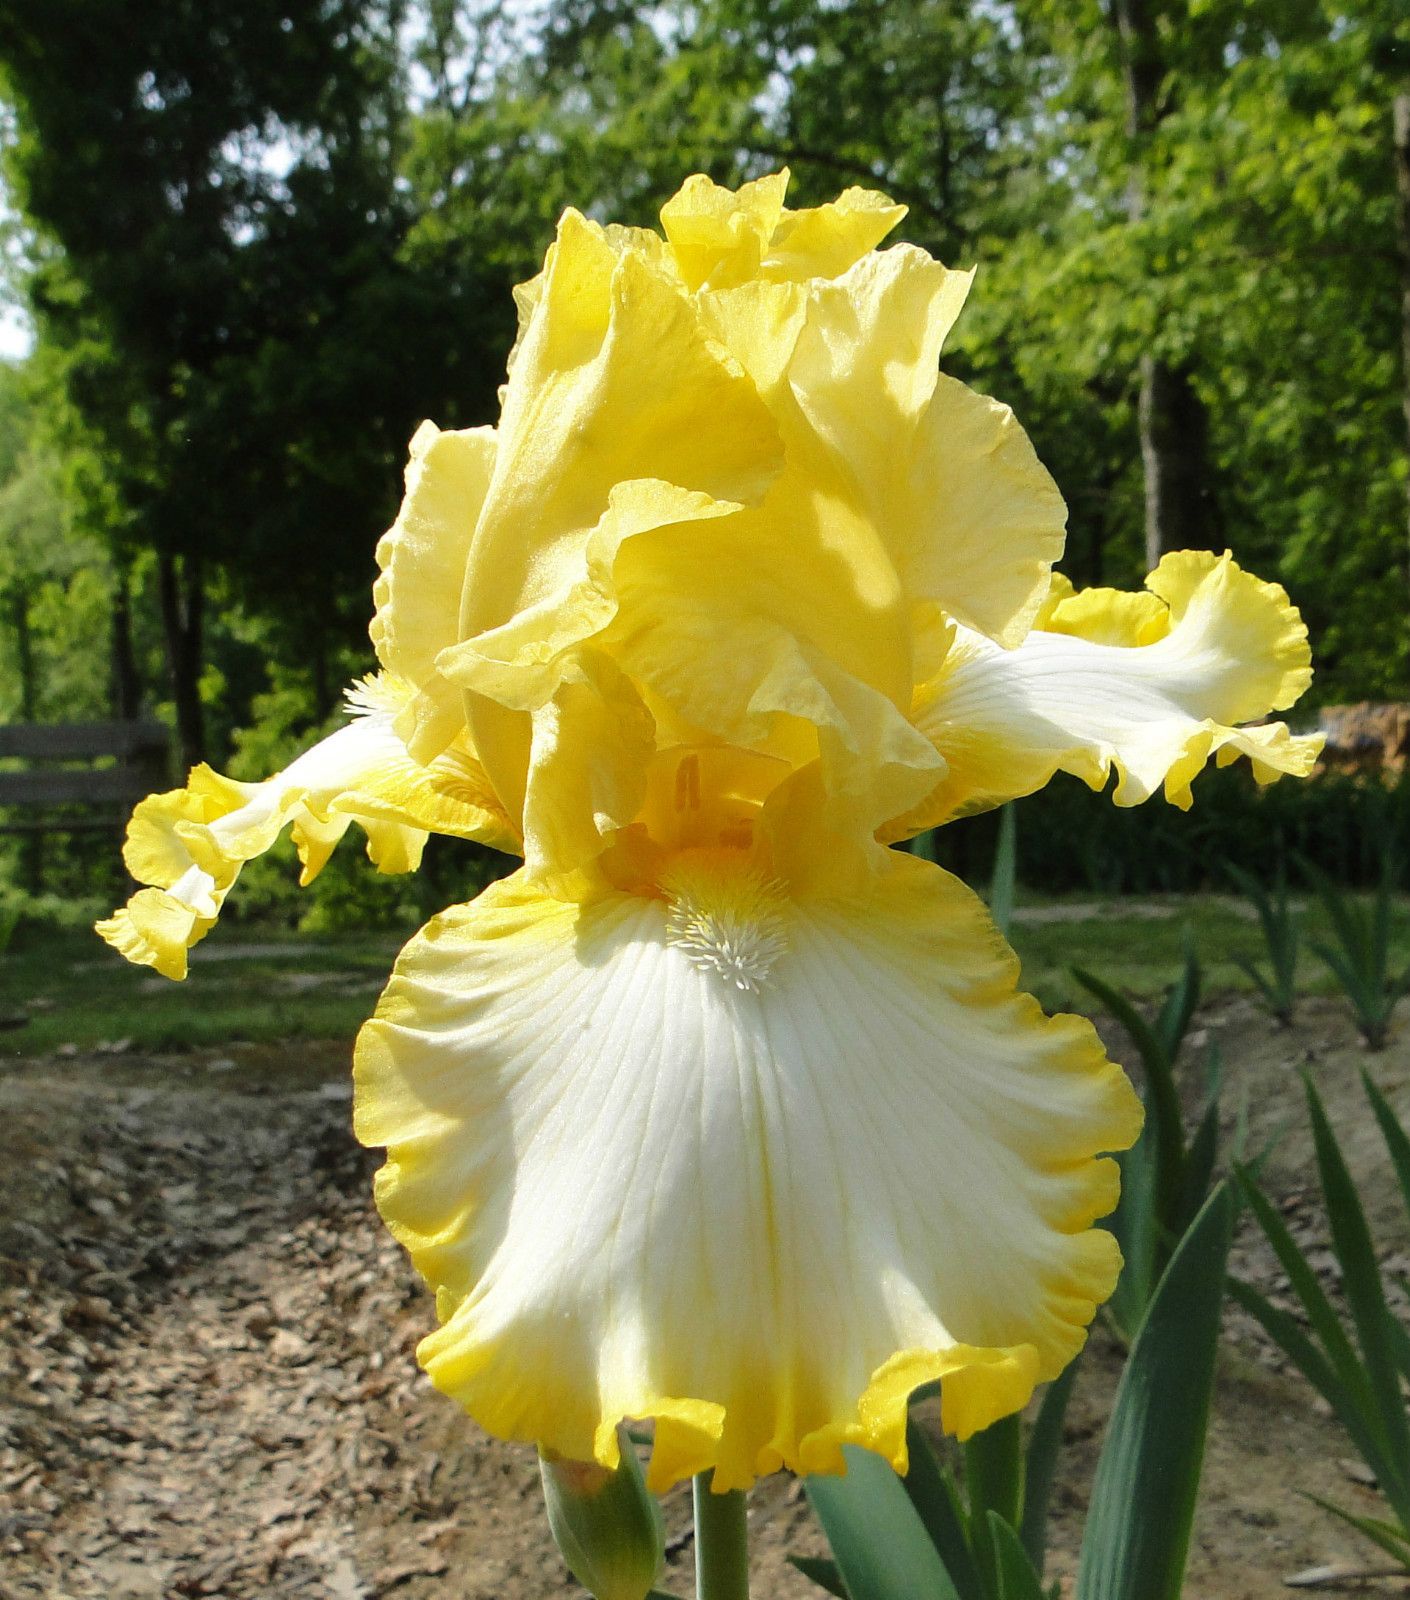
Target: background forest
[(258, 243)]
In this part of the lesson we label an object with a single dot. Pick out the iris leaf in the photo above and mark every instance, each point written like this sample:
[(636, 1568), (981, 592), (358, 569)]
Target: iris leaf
[(993, 1470), (1143, 1498), (1361, 1279), (933, 1493), (1018, 1580), (1041, 1463), (878, 1540), (822, 1572), (1165, 1131), (1003, 884)]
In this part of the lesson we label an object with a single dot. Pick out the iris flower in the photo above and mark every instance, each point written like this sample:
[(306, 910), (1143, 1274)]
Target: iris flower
[(719, 1111)]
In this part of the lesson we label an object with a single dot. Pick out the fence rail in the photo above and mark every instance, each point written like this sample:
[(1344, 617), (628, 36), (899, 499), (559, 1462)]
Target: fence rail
[(139, 748)]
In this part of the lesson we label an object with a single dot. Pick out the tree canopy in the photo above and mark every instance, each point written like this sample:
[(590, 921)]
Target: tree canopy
[(263, 240)]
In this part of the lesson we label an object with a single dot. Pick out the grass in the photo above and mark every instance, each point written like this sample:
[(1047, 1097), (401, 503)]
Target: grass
[(76, 991), (1142, 954), (250, 983)]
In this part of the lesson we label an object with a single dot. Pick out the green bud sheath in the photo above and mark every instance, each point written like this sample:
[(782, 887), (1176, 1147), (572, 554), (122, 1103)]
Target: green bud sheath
[(605, 1523)]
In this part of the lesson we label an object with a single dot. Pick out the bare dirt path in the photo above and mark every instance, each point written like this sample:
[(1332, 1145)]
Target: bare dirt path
[(207, 1384)]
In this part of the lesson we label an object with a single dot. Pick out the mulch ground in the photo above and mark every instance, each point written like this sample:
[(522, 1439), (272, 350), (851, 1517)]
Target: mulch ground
[(207, 1384)]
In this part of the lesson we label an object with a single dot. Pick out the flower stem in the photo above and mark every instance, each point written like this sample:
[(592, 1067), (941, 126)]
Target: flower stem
[(721, 1543)]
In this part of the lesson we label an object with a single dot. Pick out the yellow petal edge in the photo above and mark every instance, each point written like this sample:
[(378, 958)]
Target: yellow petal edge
[(190, 844), (590, 1250), (1151, 686)]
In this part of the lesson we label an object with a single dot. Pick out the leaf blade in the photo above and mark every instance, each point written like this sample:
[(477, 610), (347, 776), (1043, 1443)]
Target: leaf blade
[(878, 1540), (1143, 1499)]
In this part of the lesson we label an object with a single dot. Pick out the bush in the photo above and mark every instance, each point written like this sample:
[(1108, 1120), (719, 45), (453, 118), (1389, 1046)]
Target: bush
[(1072, 841)]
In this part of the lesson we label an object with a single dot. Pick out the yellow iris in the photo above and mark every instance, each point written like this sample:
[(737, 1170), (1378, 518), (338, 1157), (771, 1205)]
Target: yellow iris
[(719, 1112)]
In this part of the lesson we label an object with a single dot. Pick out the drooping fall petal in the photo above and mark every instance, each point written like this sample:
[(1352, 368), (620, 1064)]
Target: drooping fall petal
[(190, 844), (751, 1165)]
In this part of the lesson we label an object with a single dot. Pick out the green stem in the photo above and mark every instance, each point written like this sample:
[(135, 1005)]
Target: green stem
[(721, 1543)]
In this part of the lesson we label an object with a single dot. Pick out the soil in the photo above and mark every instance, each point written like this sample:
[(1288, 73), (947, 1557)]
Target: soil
[(207, 1383)]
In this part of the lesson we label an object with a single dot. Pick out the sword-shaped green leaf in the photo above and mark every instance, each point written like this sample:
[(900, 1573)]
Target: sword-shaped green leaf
[(878, 1540), (1143, 1499)]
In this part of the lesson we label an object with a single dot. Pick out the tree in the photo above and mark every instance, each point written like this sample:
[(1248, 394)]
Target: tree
[(221, 289)]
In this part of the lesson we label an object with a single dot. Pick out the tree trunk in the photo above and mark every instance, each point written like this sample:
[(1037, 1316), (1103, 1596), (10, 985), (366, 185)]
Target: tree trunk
[(183, 606), (1401, 123), (126, 685), (1181, 511), (1180, 507)]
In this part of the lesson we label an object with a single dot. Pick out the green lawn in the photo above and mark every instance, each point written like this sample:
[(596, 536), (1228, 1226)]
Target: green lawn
[(245, 984), (1138, 945), (252, 984)]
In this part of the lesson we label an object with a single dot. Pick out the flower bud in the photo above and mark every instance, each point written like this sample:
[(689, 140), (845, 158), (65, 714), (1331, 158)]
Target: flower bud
[(607, 1526)]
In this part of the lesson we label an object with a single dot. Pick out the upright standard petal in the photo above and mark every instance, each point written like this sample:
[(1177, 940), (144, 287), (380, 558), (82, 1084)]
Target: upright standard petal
[(728, 478), (721, 238), (190, 844), (752, 1166), (1152, 689), (615, 382), (973, 519), (422, 569)]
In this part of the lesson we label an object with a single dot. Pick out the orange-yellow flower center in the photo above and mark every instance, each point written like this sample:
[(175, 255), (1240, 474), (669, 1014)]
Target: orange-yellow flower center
[(701, 800)]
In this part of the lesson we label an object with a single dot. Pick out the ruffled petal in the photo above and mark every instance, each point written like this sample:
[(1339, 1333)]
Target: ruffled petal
[(728, 466), (157, 927), (590, 732), (593, 741), (972, 518), (949, 479), (988, 520), (1106, 616), (752, 1166), (720, 238), (422, 567), (615, 381), (190, 844), (1228, 648), (824, 241), (868, 360), (812, 664)]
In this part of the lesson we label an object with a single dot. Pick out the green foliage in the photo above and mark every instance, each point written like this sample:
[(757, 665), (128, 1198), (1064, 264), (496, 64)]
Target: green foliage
[(1069, 842), (923, 1538), (234, 343), (268, 986), (1360, 1371), (878, 1540), (1137, 1535), (1003, 883), (1278, 984), (54, 583), (1360, 958), (1165, 1177), (826, 1574)]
